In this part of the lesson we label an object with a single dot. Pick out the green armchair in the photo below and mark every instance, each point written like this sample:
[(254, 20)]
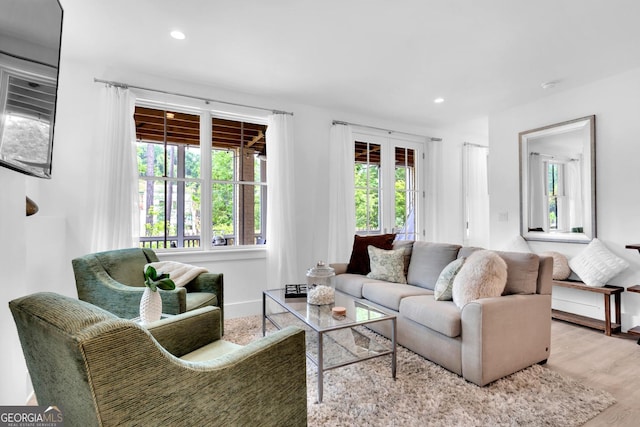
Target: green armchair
[(105, 371), (114, 280)]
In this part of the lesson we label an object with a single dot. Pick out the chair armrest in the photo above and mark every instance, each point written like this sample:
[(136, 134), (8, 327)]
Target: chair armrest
[(263, 383), (186, 332), (207, 282), (210, 282), (503, 335), (95, 286)]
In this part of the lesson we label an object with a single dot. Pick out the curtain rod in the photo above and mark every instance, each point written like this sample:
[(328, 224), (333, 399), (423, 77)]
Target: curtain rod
[(206, 100), (475, 145), (553, 156), (340, 122)]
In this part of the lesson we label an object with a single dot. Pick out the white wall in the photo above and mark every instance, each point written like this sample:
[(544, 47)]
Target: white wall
[(616, 103), (38, 250)]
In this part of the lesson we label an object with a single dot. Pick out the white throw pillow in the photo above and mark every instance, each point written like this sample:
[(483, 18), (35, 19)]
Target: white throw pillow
[(444, 285), (387, 265), (596, 264), (561, 270), (483, 275)]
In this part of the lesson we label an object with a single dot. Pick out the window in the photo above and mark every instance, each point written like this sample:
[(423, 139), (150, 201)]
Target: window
[(202, 179), (387, 187), (554, 189)]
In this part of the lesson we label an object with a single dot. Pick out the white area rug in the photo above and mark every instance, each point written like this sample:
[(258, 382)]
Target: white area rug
[(424, 394)]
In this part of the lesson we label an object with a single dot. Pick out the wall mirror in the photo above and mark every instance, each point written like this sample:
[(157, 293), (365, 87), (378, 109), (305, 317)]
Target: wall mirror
[(30, 34), (558, 182)]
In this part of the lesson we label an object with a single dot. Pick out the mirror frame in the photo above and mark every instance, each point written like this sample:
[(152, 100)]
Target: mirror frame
[(525, 137)]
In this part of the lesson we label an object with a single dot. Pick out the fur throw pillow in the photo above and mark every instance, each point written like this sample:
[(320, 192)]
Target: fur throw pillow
[(561, 270), (483, 275)]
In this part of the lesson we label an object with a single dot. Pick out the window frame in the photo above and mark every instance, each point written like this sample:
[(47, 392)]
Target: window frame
[(206, 180), (388, 143)]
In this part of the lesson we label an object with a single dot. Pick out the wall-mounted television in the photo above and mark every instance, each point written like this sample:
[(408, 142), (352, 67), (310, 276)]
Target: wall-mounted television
[(30, 36)]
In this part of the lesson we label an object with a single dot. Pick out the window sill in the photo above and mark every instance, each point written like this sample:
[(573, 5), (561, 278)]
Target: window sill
[(218, 254)]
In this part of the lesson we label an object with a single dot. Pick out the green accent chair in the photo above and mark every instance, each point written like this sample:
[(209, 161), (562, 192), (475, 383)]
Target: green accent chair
[(102, 370), (114, 280)]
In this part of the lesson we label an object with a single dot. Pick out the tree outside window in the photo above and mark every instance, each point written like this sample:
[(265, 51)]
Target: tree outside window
[(173, 189)]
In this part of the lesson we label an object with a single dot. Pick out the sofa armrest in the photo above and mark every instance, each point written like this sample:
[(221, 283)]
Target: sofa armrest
[(339, 267), (503, 335), (186, 332), (545, 275)]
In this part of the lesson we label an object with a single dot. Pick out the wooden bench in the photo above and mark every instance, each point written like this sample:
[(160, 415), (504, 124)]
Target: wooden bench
[(607, 325), (636, 329)]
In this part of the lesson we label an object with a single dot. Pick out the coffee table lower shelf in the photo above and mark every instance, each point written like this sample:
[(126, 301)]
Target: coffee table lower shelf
[(331, 343)]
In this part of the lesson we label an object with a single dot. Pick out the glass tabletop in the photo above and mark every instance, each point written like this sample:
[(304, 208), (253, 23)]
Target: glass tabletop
[(321, 318), (331, 340)]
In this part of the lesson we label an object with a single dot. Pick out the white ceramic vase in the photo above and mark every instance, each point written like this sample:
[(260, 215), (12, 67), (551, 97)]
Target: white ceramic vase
[(150, 306)]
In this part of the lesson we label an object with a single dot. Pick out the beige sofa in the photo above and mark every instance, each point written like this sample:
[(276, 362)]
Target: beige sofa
[(485, 340)]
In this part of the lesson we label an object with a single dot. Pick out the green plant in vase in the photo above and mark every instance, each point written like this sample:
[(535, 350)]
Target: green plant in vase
[(151, 301), (153, 280)]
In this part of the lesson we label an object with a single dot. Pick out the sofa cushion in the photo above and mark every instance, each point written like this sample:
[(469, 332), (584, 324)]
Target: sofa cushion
[(201, 299), (352, 283), (483, 275), (387, 265), (359, 261), (389, 295), (427, 262), (441, 316), (522, 270)]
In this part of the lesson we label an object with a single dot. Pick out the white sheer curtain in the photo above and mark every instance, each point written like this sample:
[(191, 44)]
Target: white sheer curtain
[(282, 259), (537, 196), (434, 189), (476, 196), (574, 193), (115, 220), (342, 215)]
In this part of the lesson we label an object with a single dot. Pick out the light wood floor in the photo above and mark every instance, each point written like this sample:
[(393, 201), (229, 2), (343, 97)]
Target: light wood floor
[(607, 363)]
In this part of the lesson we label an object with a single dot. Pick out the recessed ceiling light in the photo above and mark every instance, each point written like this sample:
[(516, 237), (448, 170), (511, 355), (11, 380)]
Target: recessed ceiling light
[(550, 84), (438, 100), (178, 35)]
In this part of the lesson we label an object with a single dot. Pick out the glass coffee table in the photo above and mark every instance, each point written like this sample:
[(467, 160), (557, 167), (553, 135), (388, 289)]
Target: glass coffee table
[(331, 341)]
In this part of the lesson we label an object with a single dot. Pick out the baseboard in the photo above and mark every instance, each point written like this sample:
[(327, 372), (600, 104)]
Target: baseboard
[(242, 309)]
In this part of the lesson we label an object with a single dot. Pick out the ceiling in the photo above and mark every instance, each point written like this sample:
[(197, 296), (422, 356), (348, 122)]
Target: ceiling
[(380, 58)]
